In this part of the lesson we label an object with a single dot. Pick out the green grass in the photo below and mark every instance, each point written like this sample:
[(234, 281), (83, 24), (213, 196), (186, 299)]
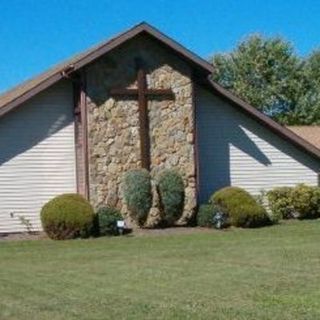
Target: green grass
[(269, 273)]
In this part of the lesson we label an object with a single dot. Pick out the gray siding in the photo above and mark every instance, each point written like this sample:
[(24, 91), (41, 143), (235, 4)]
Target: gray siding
[(236, 150), (37, 159)]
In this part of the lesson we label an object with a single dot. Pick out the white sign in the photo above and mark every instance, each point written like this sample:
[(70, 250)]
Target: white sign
[(120, 224)]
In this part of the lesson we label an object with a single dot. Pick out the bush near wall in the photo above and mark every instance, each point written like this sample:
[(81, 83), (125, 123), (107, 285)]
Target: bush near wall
[(205, 216), (67, 216), (262, 200), (302, 202), (211, 216), (280, 202), (170, 187), (242, 209), (107, 221), (138, 194), (306, 201)]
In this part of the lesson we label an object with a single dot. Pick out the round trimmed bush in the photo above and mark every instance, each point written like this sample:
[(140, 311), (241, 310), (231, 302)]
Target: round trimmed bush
[(138, 194), (107, 221), (67, 216), (170, 187), (241, 207)]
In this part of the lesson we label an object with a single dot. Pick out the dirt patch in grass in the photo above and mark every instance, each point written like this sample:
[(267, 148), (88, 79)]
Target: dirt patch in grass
[(23, 236), (136, 232), (172, 231)]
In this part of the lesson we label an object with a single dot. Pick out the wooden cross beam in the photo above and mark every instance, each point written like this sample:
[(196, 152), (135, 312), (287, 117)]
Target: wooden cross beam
[(143, 93)]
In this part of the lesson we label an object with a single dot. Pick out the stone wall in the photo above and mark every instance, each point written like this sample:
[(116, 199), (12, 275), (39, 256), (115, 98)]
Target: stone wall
[(113, 126)]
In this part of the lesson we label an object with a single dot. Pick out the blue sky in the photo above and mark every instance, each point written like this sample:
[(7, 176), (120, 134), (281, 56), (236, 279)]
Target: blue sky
[(35, 34)]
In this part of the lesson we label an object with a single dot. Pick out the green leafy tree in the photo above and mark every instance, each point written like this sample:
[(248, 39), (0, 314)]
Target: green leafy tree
[(307, 110), (265, 72)]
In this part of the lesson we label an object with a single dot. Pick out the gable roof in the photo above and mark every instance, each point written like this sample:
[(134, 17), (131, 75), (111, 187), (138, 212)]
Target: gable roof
[(308, 133), (23, 92), (29, 88)]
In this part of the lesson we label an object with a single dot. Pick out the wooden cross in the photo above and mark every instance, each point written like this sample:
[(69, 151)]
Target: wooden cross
[(143, 93)]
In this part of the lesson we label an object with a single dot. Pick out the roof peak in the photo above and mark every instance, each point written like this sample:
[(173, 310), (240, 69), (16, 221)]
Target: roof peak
[(17, 95)]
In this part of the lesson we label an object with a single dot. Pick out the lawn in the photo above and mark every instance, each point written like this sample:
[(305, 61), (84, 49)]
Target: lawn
[(269, 273)]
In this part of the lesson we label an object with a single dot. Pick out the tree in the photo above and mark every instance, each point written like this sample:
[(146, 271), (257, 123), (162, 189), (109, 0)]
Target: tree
[(307, 110), (268, 74)]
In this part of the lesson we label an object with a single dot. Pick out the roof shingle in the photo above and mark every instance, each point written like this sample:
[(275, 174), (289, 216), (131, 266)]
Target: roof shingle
[(308, 133)]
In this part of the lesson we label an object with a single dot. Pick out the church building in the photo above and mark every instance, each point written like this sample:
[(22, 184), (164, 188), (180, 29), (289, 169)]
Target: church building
[(138, 100)]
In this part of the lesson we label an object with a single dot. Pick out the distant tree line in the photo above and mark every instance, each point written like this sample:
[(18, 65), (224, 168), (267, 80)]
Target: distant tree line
[(267, 73)]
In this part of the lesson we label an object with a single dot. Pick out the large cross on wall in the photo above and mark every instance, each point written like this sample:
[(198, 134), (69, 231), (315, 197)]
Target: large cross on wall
[(143, 94)]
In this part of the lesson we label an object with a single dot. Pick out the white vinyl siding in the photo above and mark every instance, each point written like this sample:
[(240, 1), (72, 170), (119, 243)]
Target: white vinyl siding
[(37, 159), (236, 150)]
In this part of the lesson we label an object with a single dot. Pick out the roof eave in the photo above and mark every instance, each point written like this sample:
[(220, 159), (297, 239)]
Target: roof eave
[(264, 119), (29, 94)]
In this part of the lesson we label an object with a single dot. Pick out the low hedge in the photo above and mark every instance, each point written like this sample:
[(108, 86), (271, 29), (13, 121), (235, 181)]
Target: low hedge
[(306, 201), (138, 194), (241, 207), (67, 216), (107, 221), (280, 202), (170, 187), (301, 201)]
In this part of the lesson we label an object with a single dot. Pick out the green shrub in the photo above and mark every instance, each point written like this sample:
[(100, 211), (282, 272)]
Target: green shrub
[(274, 219), (107, 220), (241, 207), (205, 216), (210, 216), (306, 201), (250, 216), (280, 202), (170, 187), (262, 200), (138, 194), (67, 216), (301, 202)]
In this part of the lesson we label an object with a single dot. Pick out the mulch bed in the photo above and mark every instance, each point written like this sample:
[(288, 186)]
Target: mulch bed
[(172, 231), (135, 232)]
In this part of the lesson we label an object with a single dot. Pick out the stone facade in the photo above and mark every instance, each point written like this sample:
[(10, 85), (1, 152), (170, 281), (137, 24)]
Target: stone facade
[(113, 125)]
